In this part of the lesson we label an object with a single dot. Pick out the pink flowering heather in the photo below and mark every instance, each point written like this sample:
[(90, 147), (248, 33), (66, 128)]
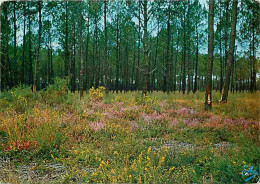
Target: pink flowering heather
[(96, 126), (134, 125), (173, 122), (186, 111)]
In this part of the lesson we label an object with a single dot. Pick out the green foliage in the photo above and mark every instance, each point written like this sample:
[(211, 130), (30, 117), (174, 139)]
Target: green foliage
[(16, 99), (55, 93)]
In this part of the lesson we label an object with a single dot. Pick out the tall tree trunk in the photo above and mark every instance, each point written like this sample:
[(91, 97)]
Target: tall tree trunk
[(30, 72), (156, 55), (24, 27), (50, 64), (226, 33), (67, 73), (15, 48), (117, 54), (164, 56), (73, 63), (167, 72), (220, 52), (189, 51), (139, 45), (197, 60), (106, 61), (208, 94), (184, 55), (127, 67), (97, 71), (87, 72), (230, 61), (146, 59), (81, 76), (133, 67), (5, 32), (254, 61), (176, 64), (38, 49)]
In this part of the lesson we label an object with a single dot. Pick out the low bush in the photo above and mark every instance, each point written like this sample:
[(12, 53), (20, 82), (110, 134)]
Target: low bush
[(55, 93)]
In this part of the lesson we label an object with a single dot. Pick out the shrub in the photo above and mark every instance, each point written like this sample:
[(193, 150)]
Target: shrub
[(55, 93), (16, 98), (97, 94)]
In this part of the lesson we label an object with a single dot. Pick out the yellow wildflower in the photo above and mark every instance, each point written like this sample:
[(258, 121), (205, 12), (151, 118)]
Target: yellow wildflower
[(171, 169), (149, 150)]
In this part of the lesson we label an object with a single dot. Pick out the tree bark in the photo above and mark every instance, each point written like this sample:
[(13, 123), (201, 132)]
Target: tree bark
[(73, 63), (30, 74), (189, 51), (15, 48), (167, 72), (38, 49), (67, 73), (81, 76), (208, 94), (106, 60), (196, 60), (184, 55), (87, 72), (145, 42), (117, 54), (226, 34), (139, 45), (224, 95), (220, 53), (24, 27), (176, 64)]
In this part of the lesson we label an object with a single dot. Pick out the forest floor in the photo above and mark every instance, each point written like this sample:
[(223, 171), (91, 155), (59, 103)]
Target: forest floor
[(53, 137)]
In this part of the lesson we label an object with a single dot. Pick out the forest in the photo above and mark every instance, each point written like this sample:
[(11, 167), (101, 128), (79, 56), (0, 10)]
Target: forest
[(127, 45), (129, 91)]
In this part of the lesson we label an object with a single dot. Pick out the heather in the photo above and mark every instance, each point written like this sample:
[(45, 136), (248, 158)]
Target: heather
[(54, 136)]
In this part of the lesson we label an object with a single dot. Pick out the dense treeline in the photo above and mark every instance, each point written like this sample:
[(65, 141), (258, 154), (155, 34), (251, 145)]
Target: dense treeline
[(128, 45)]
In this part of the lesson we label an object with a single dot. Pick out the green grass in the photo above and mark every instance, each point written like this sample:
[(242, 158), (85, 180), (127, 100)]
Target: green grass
[(127, 138)]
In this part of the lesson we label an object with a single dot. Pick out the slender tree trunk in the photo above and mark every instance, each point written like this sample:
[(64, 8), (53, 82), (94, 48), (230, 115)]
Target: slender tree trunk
[(50, 72), (139, 45), (156, 55), (184, 56), (176, 64), (189, 51), (167, 71), (38, 49), (87, 72), (117, 54), (127, 67), (226, 33), (97, 71), (67, 73), (254, 60), (81, 76), (15, 47), (197, 60), (106, 61), (133, 67), (146, 59), (24, 27), (30, 74), (220, 53), (208, 94), (73, 63), (230, 61)]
